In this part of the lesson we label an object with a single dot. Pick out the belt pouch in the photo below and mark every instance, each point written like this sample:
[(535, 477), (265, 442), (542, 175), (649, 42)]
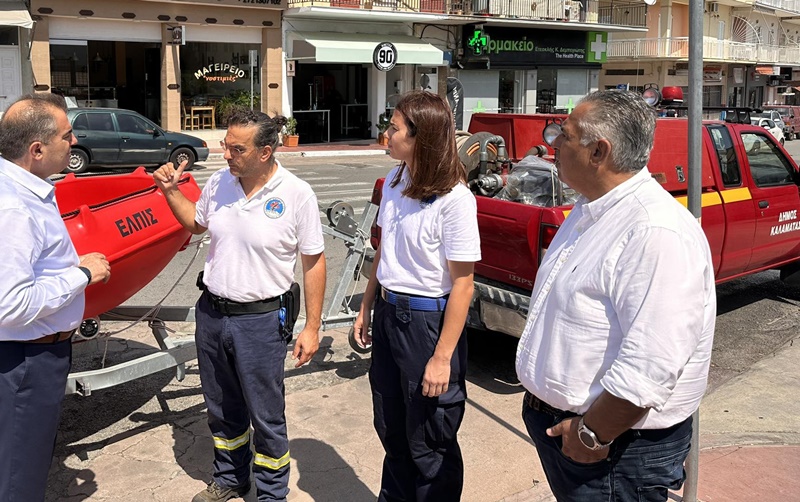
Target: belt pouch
[(290, 310)]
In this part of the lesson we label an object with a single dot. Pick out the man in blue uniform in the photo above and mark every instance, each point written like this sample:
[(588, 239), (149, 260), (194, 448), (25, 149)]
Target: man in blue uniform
[(42, 280), (261, 219)]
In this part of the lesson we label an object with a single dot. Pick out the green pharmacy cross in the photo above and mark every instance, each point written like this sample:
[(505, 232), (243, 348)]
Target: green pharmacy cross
[(478, 42)]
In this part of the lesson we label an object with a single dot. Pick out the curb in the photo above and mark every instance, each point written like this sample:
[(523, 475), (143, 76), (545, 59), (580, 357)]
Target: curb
[(312, 153), (339, 153)]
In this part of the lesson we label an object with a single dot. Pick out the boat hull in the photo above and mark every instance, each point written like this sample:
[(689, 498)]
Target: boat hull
[(126, 218)]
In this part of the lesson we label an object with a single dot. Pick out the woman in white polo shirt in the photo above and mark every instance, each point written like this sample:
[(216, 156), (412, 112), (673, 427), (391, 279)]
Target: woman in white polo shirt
[(422, 290)]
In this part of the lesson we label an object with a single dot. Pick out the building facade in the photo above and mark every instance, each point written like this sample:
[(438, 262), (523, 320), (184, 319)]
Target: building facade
[(537, 55), (750, 51), (177, 62)]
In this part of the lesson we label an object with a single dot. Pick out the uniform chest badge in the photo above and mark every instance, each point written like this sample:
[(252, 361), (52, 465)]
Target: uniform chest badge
[(274, 208), (427, 201)]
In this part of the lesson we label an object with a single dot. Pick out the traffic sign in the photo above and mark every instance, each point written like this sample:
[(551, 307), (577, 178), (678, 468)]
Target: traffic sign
[(384, 57)]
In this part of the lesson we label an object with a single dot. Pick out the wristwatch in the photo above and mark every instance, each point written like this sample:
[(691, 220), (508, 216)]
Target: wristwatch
[(87, 272), (589, 438)]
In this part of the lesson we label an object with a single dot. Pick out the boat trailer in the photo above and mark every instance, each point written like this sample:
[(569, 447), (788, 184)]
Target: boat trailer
[(176, 351)]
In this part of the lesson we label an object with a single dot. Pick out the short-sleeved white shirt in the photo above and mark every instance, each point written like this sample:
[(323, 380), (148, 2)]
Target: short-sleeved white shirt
[(254, 243), (418, 238)]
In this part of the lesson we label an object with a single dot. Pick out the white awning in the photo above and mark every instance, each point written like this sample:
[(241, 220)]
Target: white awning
[(15, 14), (329, 47)]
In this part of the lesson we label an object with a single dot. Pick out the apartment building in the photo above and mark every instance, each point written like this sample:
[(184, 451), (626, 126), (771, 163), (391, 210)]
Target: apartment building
[(751, 52)]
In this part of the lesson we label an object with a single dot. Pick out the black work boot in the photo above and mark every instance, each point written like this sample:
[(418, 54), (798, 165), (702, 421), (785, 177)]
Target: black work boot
[(217, 493)]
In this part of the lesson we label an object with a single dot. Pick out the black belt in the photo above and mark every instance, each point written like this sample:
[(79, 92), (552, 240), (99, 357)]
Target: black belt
[(539, 405), (61, 336), (229, 307)]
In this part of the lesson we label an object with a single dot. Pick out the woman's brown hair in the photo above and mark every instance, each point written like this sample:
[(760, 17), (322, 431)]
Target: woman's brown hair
[(437, 168)]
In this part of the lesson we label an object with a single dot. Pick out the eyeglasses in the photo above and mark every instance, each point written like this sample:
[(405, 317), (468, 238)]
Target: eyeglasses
[(551, 132), (235, 150)]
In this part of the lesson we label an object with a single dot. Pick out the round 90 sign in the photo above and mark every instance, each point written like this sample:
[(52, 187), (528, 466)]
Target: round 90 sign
[(384, 57)]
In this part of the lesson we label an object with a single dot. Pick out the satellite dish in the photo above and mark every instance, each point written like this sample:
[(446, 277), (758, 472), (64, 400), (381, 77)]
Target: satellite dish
[(650, 2)]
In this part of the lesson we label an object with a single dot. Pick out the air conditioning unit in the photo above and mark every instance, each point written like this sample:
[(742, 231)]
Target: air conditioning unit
[(713, 7)]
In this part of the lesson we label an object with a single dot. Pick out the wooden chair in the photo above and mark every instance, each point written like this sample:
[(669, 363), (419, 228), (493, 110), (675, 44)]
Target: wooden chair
[(189, 122), (207, 119)]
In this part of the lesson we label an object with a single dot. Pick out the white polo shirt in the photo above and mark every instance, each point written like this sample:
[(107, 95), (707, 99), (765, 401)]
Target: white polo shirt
[(418, 238), (254, 243)]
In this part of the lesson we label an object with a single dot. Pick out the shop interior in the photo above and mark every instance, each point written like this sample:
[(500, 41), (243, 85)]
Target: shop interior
[(108, 74), (330, 102), (215, 77)]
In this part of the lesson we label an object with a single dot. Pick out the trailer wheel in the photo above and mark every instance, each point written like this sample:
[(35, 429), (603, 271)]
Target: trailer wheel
[(89, 328), (351, 337)]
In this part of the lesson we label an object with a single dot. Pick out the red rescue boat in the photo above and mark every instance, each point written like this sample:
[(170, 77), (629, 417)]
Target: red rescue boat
[(125, 217)]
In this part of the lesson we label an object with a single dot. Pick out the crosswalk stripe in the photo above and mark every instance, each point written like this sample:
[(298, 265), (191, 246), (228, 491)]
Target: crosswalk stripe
[(344, 192)]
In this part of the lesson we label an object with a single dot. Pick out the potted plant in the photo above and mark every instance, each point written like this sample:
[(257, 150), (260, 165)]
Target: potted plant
[(290, 137), (382, 125)]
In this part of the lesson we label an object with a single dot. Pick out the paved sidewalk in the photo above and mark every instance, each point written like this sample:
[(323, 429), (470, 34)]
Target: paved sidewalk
[(158, 448), (750, 433)]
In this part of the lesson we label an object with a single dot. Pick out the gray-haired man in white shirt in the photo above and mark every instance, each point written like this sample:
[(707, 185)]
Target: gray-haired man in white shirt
[(615, 354)]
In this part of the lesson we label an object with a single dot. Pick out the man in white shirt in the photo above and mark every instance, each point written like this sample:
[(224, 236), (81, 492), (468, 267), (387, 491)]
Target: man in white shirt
[(42, 281), (260, 217), (615, 353)]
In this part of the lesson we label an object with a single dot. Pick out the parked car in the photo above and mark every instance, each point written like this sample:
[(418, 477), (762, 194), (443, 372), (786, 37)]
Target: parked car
[(791, 116), (775, 116), (770, 126), (111, 137)]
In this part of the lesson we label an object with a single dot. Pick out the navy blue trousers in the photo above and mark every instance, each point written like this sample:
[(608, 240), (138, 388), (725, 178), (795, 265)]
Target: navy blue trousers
[(33, 379), (241, 362), (423, 459), (642, 465)]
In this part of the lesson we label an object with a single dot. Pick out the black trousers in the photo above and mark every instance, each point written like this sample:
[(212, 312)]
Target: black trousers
[(241, 362), (419, 434), (33, 379)]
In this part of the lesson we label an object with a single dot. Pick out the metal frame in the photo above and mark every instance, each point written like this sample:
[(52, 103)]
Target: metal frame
[(172, 353), (339, 313)]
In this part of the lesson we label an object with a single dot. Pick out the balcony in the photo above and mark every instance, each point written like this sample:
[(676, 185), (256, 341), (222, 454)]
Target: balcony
[(713, 49), (785, 5), (603, 12)]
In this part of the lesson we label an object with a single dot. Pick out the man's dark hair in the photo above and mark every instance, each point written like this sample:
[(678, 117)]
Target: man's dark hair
[(32, 119), (268, 127)]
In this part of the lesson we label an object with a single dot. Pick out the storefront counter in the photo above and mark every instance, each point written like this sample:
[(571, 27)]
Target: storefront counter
[(313, 126)]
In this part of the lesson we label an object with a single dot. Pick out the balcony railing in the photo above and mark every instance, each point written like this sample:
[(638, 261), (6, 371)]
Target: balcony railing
[(789, 5), (610, 12), (724, 50)]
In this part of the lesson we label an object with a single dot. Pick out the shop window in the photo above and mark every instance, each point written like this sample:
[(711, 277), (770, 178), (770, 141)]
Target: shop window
[(9, 35), (219, 75)]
